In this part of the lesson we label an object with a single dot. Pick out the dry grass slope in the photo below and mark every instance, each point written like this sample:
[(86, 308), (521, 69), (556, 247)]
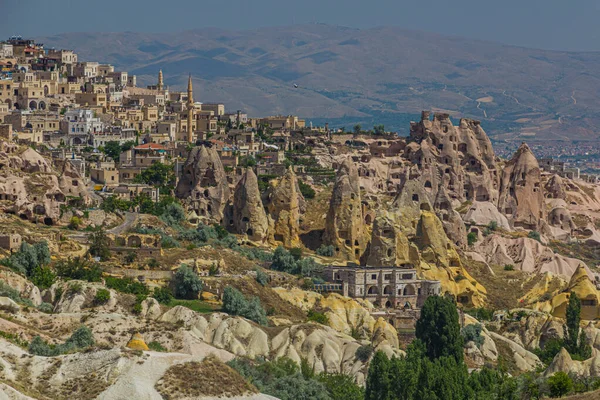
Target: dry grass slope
[(211, 377)]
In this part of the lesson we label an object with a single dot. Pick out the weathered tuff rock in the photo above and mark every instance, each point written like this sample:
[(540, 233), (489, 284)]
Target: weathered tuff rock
[(70, 181), (285, 205), (137, 342), (440, 261), (203, 184), (524, 359), (325, 349), (247, 214), (345, 315), (26, 289), (104, 374), (483, 212), (555, 188), (389, 244), (451, 219), (585, 289), (31, 188), (461, 158), (521, 197), (344, 224), (564, 363), (525, 254)]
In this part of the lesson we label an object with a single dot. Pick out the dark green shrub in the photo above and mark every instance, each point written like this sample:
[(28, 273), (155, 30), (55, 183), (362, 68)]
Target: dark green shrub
[(156, 346), (102, 296), (163, 295), (471, 238), (296, 252), (126, 285), (75, 288), (363, 353), (307, 191), (43, 277), (235, 303), (80, 339), (560, 384), (45, 308), (318, 317), (326, 251), (130, 257), (534, 235), (78, 268), (472, 333), (261, 277), (187, 283), (509, 267)]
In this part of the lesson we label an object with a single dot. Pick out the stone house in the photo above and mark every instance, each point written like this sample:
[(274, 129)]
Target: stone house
[(389, 287)]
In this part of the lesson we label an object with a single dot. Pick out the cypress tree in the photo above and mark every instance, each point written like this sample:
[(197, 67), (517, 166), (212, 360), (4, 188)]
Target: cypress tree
[(378, 379), (573, 320), (438, 328)]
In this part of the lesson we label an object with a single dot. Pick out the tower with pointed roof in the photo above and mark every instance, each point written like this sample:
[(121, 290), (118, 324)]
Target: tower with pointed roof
[(190, 107), (160, 84)]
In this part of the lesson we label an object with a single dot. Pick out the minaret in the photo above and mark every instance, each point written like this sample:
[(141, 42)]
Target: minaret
[(160, 80), (190, 106)]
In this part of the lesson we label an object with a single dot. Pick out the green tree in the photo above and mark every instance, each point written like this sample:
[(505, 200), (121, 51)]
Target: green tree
[(102, 296), (74, 223), (99, 245), (173, 214), (163, 295), (439, 329), (284, 261), (235, 303), (379, 129), (573, 323), (378, 386), (560, 384), (128, 145), (158, 174), (307, 191), (471, 238), (112, 149), (341, 387), (29, 257), (357, 129), (43, 277), (574, 343), (187, 283), (262, 277)]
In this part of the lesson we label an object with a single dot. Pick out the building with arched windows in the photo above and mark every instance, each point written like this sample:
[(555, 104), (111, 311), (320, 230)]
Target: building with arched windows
[(389, 287)]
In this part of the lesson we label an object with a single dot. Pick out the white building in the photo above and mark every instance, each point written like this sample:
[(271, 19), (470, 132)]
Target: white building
[(6, 50), (80, 122)]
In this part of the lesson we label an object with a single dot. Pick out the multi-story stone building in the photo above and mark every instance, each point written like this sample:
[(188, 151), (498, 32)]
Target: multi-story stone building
[(389, 287)]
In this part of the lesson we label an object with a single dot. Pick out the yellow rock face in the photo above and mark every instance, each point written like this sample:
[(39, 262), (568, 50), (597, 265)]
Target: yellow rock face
[(137, 343), (440, 261), (345, 315), (584, 288)]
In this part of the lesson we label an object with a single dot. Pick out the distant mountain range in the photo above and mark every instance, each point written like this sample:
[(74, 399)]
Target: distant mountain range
[(381, 75)]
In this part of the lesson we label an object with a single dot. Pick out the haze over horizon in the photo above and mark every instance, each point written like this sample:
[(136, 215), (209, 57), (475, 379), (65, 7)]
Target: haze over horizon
[(553, 25)]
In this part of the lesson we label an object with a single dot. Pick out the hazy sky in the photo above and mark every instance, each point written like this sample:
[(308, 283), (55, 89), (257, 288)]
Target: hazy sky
[(550, 24)]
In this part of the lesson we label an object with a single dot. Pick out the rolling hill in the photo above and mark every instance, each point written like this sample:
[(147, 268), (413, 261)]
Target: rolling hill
[(348, 76)]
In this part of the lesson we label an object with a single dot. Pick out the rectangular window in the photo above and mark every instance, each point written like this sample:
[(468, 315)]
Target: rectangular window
[(387, 277), (373, 276)]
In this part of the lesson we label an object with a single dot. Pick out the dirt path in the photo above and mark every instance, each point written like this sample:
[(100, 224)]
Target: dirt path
[(130, 219)]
